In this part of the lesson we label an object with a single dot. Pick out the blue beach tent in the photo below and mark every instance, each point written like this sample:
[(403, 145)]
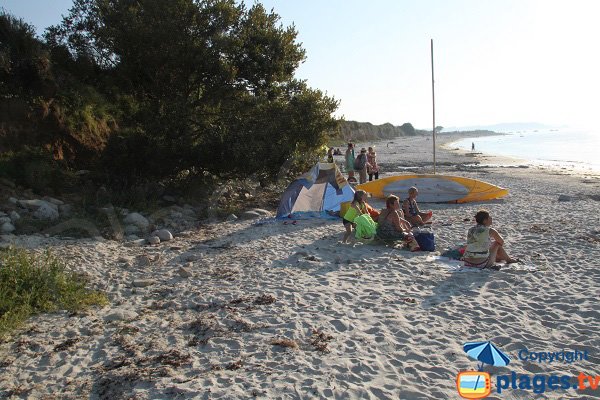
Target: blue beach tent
[(317, 192)]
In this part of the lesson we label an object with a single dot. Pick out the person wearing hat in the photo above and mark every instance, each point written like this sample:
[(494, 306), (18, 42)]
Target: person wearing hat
[(360, 165)]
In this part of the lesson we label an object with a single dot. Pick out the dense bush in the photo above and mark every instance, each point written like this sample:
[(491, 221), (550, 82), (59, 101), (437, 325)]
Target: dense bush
[(43, 106), (36, 169), (208, 86), (148, 91)]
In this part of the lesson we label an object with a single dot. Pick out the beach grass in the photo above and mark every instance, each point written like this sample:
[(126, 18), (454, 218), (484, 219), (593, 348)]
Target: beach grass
[(31, 284)]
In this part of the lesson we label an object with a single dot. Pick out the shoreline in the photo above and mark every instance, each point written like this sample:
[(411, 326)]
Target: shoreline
[(450, 158), (271, 310), (570, 167)]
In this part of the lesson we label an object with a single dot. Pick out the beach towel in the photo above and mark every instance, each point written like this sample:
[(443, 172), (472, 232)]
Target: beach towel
[(455, 253), (458, 266)]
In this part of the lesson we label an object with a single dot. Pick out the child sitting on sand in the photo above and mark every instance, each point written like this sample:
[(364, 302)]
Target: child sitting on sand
[(358, 207), (411, 210), (484, 244), (393, 226)]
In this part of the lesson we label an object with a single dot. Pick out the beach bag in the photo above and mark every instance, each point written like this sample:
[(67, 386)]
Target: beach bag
[(426, 239), (365, 226), (360, 162)]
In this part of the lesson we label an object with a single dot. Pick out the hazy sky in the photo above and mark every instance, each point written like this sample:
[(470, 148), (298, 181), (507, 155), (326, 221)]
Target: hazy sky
[(495, 60)]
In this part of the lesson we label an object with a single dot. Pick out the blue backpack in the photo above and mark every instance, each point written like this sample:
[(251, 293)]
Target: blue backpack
[(426, 240)]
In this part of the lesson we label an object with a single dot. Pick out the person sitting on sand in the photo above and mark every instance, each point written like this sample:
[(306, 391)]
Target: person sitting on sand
[(411, 209), (357, 207), (484, 244), (393, 226)]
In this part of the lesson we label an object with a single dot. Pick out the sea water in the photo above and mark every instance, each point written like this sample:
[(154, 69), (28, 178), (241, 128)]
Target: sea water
[(564, 148)]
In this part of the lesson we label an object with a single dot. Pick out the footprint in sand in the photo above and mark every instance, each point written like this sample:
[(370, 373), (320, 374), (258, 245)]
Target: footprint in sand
[(339, 325)]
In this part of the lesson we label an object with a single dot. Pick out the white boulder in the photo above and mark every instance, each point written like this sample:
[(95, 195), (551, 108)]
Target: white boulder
[(54, 201), (143, 282), (250, 215), (263, 212), (33, 204), (163, 234), (138, 220), (46, 211), (121, 315)]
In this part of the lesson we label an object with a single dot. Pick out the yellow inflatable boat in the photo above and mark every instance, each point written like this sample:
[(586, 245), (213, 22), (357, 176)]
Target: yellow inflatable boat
[(435, 188)]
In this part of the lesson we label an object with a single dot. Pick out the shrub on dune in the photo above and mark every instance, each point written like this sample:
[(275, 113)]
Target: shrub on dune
[(32, 284)]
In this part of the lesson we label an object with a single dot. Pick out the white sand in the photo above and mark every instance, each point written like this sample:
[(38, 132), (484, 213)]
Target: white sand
[(369, 321)]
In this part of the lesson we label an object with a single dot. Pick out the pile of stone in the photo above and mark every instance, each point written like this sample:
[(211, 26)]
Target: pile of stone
[(45, 209)]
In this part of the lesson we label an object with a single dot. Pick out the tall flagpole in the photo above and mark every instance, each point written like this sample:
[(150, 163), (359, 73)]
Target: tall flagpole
[(433, 100)]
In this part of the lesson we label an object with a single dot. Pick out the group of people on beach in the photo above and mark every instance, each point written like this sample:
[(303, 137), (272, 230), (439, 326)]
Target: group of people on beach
[(365, 164), (484, 248), (395, 222)]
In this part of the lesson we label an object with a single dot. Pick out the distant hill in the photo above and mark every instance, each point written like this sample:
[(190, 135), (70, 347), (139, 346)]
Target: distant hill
[(366, 131), (503, 127)]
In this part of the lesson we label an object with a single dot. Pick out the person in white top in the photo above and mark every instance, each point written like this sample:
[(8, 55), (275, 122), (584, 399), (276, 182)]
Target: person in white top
[(485, 246)]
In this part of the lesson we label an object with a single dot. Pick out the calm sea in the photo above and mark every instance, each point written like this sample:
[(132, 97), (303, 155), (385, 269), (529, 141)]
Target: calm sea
[(578, 149)]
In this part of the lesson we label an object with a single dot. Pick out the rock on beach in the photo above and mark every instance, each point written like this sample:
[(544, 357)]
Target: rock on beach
[(138, 220), (163, 234)]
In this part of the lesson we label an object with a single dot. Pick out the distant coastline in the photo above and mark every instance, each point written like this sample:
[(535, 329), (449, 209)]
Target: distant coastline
[(367, 132)]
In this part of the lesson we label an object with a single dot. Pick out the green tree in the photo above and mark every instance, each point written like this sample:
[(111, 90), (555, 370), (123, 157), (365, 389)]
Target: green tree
[(408, 129), (209, 85), (46, 112), (24, 65)]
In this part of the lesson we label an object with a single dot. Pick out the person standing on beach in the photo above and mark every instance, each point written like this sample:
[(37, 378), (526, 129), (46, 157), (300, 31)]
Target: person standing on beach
[(472, 146), (485, 246), (360, 165), (373, 168), (350, 161)]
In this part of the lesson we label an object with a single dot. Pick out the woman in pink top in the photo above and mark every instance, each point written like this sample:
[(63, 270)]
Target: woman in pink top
[(372, 167)]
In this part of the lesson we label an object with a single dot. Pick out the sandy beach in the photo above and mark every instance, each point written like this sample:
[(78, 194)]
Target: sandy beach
[(282, 311)]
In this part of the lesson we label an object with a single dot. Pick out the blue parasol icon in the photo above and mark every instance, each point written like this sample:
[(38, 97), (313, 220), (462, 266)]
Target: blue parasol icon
[(487, 353)]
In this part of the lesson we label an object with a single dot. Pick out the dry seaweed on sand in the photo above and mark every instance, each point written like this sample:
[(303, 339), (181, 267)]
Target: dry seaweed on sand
[(282, 342)]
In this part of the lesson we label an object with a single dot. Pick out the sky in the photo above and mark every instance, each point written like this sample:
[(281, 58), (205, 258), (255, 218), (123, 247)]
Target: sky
[(496, 61)]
